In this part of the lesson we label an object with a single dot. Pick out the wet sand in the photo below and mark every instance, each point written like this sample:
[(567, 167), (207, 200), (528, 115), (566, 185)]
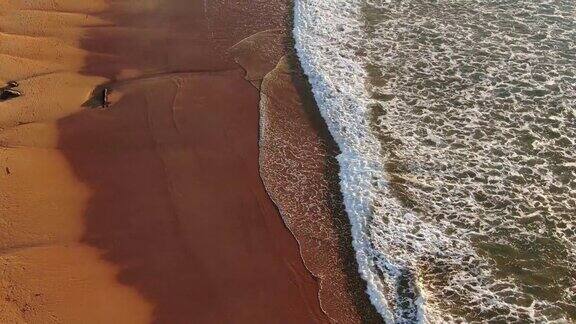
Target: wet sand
[(152, 210), (299, 168)]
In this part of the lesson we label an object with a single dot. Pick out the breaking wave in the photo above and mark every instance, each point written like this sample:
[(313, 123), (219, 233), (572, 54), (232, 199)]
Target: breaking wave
[(457, 126)]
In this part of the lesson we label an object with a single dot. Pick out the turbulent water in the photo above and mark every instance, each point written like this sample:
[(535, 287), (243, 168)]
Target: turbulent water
[(457, 125)]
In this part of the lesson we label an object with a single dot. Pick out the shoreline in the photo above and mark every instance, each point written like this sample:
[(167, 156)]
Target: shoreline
[(293, 133), (145, 211), (158, 204)]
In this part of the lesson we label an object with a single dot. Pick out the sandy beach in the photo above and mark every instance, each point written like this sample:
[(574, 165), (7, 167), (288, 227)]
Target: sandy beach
[(153, 210)]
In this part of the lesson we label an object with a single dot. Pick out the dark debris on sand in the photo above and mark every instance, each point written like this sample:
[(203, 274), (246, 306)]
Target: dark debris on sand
[(9, 92), (99, 98)]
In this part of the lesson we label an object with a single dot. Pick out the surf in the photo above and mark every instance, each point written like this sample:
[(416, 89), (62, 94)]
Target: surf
[(457, 137)]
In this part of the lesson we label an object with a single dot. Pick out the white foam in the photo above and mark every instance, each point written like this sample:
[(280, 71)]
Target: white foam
[(319, 41), (389, 237), (328, 34)]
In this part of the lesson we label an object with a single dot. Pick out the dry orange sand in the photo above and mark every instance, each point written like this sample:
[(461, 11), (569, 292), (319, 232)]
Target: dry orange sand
[(151, 211)]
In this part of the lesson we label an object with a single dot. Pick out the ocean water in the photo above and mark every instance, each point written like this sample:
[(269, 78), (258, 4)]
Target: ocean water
[(457, 125)]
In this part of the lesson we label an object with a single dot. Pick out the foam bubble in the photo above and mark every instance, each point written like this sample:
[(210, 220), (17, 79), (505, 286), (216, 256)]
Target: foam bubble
[(456, 125)]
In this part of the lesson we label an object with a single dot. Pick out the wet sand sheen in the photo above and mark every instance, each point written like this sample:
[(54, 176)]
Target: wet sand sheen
[(299, 169), (131, 213)]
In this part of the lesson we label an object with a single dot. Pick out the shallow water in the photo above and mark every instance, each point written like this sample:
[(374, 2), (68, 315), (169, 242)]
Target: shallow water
[(457, 123)]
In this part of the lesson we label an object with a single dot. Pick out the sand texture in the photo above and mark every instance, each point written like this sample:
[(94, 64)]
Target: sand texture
[(152, 210)]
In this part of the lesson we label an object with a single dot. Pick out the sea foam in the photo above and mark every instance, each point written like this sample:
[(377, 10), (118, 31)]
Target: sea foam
[(415, 184), (328, 38)]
